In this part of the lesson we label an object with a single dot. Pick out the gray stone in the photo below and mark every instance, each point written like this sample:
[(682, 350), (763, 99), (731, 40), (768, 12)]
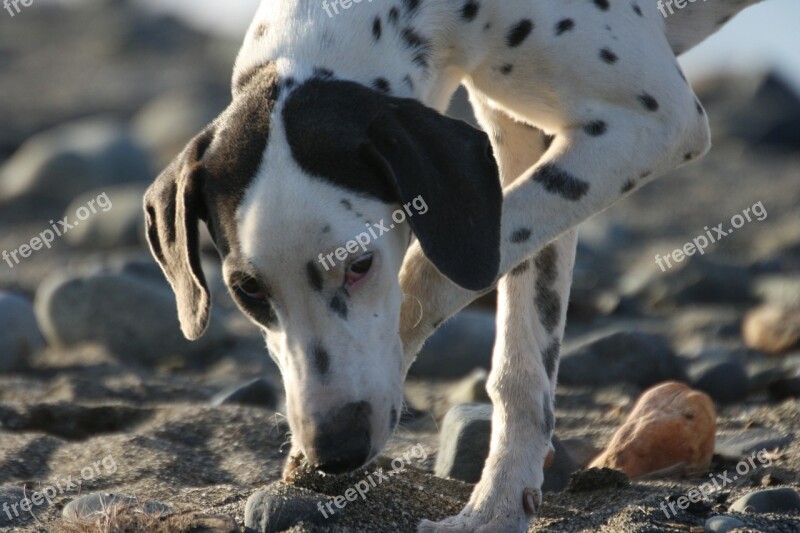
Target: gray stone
[(133, 318), (741, 445), (118, 221), (725, 381), (56, 165), (257, 393), (784, 388), (778, 500), (94, 504), (722, 524), (471, 389), (464, 446), (267, 512), (635, 358), (460, 346), (13, 496), (19, 334)]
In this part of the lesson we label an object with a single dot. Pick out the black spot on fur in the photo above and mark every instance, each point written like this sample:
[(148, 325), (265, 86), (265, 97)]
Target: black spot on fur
[(519, 32), (420, 45), (409, 82), (314, 276), (346, 203), (628, 186), (608, 56), (411, 5), (507, 69), (323, 73), (392, 418), (548, 302), (322, 360), (470, 10), (688, 156), (546, 265), (637, 10), (550, 358), (649, 103), (564, 26), (339, 306), (596, 128), (520, 269), (326, 229), (557, 181), (521, 235), (261, 30), (394, 15), (602, 4), (377, 28), (382, 85)]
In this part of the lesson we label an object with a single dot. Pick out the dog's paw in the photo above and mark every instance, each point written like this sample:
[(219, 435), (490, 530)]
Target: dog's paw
[(512, 518)]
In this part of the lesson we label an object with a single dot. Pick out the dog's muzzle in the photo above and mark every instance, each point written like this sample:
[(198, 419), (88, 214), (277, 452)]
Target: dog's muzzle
[(341, 440)]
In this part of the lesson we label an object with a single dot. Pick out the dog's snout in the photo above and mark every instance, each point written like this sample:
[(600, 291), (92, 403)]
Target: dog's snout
[(342, 440)]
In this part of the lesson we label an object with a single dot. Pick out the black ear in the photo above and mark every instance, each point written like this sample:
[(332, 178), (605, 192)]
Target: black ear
[(174, 205), (451, 166)]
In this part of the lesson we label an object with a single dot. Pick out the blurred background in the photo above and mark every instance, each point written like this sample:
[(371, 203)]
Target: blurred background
[(97, 96)]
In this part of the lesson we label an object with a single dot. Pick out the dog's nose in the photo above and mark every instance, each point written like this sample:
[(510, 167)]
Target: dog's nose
[(342, 439)]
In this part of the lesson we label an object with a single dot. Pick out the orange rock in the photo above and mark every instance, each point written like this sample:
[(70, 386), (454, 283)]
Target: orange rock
[(772, 329), (671, 425)]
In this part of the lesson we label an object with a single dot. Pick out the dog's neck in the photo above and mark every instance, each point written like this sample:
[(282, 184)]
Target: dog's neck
[(410, 49)]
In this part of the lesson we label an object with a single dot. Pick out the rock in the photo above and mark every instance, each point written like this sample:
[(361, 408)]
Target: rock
[(257, 393), (784, 388), (722, 524), (772, 329), (117, 222), (464, 446), (267, 512), (464, 442), (132, 318), (460, 346), (670, 425), (779, 500), (742, 445), (596, 479), (94, 504), (11, 516), (637, 358), (167, 123), (472, 389), (56, 165), (19, 334), (725, 381)]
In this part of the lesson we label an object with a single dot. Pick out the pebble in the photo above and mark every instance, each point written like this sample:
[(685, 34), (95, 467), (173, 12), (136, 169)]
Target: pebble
[(725, 381), (779, 500), (97, 503), (20, 337), (266, 512), (670, 425), (131, 317), (461, 345), (744, 444), (57, 164), (635, 357), (257, 392), (784, 388), (13, 496), (722, 524), (118, 222), (772, 329)]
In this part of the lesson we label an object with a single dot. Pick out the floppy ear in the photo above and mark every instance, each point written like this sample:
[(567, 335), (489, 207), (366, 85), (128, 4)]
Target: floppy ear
[(451, 167), (173, 206)]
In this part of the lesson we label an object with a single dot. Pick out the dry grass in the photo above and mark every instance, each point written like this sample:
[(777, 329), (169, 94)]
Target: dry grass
[(132, 519)]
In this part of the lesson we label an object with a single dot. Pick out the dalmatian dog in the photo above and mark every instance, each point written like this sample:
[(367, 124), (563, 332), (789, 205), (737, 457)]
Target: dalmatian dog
[(336, 125)]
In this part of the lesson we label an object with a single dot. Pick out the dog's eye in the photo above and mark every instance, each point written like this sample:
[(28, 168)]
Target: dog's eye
[(359, 268), (251, 291)]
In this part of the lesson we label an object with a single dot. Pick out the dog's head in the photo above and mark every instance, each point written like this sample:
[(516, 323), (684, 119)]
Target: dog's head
[(311, 192)]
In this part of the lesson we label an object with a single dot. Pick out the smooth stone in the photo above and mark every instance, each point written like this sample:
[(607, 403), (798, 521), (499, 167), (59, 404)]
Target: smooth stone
[(461, 345), (257, 393), (772, 329), (12, 496), (779, 500), (55, 165), (266, 512), (471, 389), (725, 381), (118, 223), (100, 503), (741, 445), (133, 318), (670, 426), (635, 357), (722, 524), (20, 337), (784, 388)]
